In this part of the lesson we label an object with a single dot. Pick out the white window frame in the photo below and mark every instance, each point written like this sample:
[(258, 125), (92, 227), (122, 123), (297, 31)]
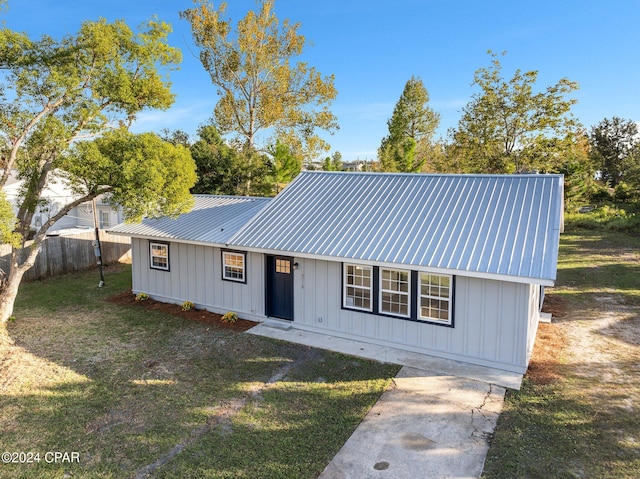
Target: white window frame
[(105, 224), (165, 257), (437, 297), (229, 268), (407, 293), (349, 300)]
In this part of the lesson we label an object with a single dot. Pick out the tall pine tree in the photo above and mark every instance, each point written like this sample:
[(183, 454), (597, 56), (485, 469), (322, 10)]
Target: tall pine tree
[(411, 130)]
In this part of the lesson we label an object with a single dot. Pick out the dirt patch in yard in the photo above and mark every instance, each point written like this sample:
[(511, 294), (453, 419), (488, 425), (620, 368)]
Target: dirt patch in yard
[(127, 298), (593, 344)]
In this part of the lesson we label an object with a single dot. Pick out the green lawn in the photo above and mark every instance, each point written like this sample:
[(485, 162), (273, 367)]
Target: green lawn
[(586, 422), (142, 393)]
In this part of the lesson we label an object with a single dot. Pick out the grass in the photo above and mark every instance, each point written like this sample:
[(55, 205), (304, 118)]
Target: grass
[(581, 421), (612, 216), (142, 393)]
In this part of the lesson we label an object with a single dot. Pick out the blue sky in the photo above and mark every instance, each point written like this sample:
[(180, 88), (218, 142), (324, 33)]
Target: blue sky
[(373, 47)]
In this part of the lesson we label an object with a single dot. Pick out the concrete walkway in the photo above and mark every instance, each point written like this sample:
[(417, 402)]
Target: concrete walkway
[(434, 422), (428, 427)]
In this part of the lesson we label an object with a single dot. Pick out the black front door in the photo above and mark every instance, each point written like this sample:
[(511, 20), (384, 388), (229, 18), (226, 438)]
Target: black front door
[(280, 287)]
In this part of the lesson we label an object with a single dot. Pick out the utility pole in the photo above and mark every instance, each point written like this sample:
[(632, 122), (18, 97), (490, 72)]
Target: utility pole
[(97, 248)]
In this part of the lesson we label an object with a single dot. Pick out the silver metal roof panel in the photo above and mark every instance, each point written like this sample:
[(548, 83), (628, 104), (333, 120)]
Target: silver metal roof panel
[(495, 225), (213, 219)]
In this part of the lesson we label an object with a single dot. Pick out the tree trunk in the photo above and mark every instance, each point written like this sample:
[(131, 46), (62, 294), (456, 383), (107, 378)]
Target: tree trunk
[(20, 265), (10, 287)]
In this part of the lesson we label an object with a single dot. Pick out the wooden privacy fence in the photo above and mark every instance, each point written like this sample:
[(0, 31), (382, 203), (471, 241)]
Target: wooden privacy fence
[(64, 254)]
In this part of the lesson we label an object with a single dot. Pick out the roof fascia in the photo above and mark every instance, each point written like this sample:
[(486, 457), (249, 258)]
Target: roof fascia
[(426, 269)]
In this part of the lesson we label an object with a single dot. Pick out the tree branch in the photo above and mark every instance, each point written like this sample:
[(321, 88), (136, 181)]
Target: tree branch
[(42, 232)]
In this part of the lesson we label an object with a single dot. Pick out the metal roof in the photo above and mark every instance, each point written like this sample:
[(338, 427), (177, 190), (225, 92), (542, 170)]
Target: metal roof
[(213, 219), (485, 225)]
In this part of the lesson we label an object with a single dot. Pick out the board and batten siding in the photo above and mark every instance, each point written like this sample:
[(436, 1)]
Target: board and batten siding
[(491, 318), (195, 274), (535, 292)]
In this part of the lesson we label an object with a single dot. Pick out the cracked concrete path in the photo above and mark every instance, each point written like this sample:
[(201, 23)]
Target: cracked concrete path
[(427, 426)]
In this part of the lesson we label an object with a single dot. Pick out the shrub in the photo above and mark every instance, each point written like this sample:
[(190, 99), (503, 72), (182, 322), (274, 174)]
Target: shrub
[(606, 217), (599, 194), (622, 192), (187, 305), (142, 297), (229, 317)]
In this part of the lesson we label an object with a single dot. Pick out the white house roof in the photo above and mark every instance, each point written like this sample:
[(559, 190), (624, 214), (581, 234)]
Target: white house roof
[(213, 219), (495, 226)]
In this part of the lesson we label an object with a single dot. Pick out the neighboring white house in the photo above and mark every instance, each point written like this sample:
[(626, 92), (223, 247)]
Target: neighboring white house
[(54, 197), (448, 265)]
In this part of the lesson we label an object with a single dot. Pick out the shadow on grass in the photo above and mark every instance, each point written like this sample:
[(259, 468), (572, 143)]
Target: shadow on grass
[(291, 429), (554, 430), (123, 386), (613, 276)]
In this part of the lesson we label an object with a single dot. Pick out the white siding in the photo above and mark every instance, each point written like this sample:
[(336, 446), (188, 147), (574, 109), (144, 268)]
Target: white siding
[(495, 322), (195, 274), (490, 318), (534, 317)]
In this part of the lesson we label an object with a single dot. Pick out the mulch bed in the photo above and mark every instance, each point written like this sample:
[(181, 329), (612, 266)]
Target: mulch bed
[(545, 365), (127, 298)]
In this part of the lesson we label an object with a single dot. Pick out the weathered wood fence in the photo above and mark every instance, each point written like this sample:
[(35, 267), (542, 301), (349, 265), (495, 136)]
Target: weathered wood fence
[(64, 254)]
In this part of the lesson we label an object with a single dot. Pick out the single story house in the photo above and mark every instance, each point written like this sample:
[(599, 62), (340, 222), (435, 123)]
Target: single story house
[(447, 265)]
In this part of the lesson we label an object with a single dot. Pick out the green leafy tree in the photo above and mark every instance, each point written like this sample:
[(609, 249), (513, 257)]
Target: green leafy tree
[(57, 93), (8, 234), (143, 174), (411, 129), (336, 161), (224, 170), (217, 164), (615, 150), (506, 126), (259, 86), (176, 137), (333, 162), (632, 189), (579, 176), (285, 165)]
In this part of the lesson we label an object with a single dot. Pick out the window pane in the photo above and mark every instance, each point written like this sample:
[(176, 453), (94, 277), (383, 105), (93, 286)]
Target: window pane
[(394, 292), (160, 262), (233, 266), (283, 266), (395, 303), (435, 297), (104, 219), (159, 256), (357, 292)]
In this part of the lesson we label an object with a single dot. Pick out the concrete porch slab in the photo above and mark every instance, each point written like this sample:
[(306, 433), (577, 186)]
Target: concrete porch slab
[(389, 355)]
